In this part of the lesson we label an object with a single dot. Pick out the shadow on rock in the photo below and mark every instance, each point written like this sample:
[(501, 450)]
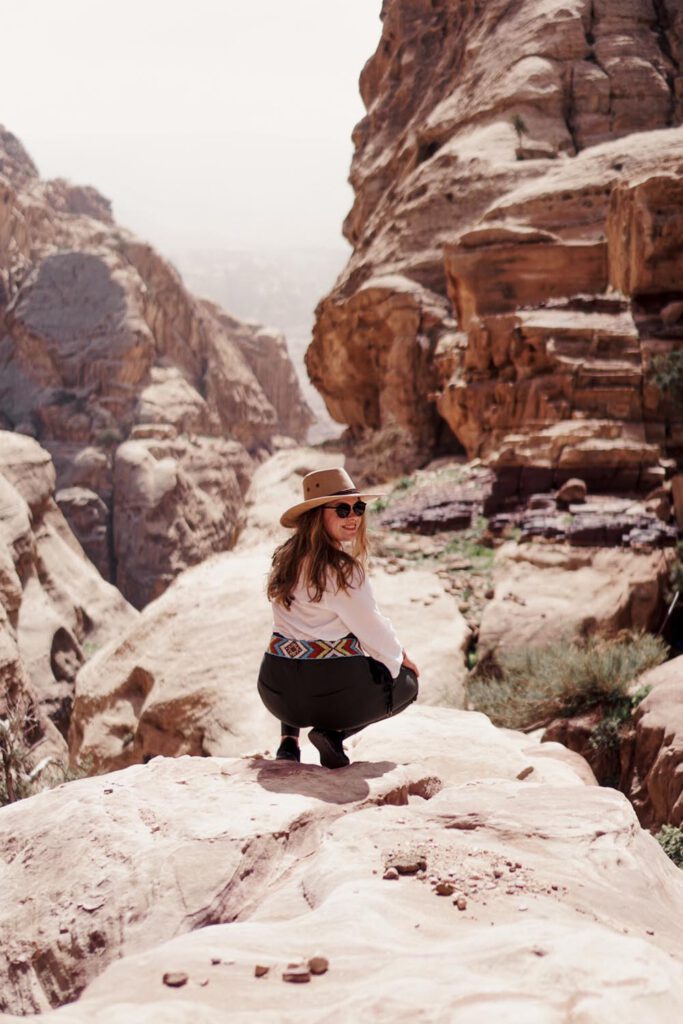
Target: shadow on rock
[(342, 786)]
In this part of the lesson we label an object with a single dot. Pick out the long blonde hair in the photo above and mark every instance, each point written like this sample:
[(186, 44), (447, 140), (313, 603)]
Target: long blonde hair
[(310, 557)]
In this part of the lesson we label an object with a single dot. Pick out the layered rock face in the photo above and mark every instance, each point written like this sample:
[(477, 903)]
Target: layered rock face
[(479, 849), (55, 609), (100, 342), (517, 231), (544, 592)]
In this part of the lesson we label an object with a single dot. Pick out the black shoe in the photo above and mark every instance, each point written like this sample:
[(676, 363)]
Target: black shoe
[(329, 746), (288, 750)]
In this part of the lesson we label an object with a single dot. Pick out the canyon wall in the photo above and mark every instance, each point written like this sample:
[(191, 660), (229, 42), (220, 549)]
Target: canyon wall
[(152, 403), (517, 231)]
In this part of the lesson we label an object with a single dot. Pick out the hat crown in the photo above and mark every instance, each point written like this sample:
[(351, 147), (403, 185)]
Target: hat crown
[(328, 482)]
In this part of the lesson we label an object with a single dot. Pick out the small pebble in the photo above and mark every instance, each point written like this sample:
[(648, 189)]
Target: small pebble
[(444, 888), (296, 973), (497, 873), (175, 979), (391, 874), (260, 970), (522, 906), (318, 964), (215, 960), (537, 951), (460, 903), (411, 867)]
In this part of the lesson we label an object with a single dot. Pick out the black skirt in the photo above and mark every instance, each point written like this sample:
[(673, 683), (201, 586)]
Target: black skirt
[(343, 694)]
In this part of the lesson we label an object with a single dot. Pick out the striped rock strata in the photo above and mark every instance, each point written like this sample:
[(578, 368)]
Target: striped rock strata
[(517, 231)]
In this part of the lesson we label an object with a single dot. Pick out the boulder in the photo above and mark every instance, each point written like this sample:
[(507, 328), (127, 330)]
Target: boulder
[(349, 867), (573, 490), (546, 591), (176, 502), (654, 781)]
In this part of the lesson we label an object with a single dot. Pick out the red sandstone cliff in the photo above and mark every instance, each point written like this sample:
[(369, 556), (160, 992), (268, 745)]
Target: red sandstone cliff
[(151, 402), (517, 233)]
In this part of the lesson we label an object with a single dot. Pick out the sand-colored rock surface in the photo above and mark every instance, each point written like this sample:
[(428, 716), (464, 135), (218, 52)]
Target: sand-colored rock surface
[(196, 871), (516, 230), (654, 781), (99, 337), (56, 609), (544, 591), (182, 678)]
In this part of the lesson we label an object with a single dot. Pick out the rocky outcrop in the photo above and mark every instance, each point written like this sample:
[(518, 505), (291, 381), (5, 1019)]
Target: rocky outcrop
[(544, 592), (182, 678), (638, 752), (98, 336), (516, 230), (184, 876), (56, 608), (652, 773)]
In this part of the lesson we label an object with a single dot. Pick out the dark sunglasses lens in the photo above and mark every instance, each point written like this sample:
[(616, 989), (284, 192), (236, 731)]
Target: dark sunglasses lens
[(343, 509)]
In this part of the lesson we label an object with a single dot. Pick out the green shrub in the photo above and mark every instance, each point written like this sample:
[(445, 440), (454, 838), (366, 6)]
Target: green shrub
[(532, 685), (667, 375), (109, 437), (670, 838)]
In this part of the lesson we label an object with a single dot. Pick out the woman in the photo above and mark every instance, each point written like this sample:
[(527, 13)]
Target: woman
[(334, 661)]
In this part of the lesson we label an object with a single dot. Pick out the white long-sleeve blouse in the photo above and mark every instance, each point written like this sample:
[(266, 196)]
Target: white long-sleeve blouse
[(338, 613)]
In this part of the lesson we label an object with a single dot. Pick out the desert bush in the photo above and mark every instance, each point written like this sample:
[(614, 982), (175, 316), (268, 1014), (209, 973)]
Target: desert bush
[(670, 838), (20, 775), (109, 437), (532, 685), (667, 375)]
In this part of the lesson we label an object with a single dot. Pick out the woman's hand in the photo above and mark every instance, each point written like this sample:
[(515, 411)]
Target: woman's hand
[(410, 664)]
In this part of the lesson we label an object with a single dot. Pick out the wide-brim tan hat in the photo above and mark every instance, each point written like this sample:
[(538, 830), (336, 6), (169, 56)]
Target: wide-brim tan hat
[(322, 486)]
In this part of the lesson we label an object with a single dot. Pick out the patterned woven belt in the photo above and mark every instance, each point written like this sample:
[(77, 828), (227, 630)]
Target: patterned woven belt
[(285, 647)]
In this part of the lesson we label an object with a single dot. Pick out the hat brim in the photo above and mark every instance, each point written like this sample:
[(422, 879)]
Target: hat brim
[(289, 518)]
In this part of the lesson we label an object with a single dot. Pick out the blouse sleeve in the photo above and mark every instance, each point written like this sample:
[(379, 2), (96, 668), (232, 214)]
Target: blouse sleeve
[(357, 609)]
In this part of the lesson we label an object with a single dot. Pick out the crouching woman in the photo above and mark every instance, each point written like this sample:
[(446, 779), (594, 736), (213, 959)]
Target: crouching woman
[(334, 661)]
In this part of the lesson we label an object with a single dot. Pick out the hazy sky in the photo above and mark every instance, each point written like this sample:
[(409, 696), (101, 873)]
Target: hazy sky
[(211, 122)]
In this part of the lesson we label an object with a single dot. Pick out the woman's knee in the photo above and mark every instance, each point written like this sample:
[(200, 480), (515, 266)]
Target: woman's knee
[(406, 688)]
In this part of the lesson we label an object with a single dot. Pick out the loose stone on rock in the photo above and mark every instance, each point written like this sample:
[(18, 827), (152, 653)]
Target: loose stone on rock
[(297, 973), (175, 979), (318, 964), (444, 888)]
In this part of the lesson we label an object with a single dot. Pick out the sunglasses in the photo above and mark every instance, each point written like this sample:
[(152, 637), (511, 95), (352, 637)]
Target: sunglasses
[(344, 510)]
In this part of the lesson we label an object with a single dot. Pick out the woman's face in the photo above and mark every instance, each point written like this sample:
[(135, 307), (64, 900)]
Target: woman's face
[(340, 531)]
